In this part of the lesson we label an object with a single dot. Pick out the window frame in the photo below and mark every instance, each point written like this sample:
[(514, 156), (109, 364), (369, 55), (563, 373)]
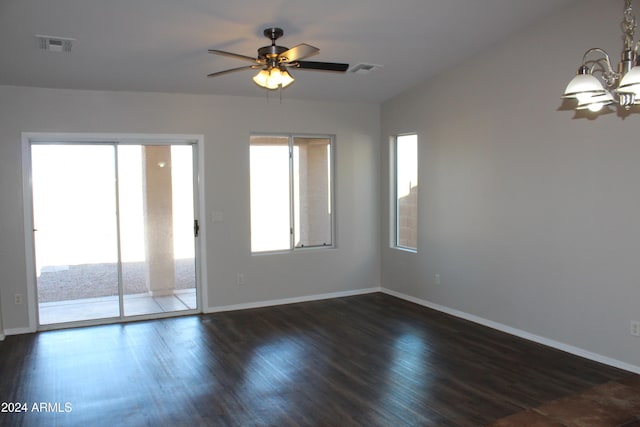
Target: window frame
[(331, 189), (394, 229)]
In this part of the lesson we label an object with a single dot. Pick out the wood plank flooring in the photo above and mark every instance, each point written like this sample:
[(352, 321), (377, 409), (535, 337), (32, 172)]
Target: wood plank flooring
[(370, 360)]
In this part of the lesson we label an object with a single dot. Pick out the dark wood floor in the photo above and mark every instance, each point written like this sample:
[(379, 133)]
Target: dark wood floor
[(370, 360)]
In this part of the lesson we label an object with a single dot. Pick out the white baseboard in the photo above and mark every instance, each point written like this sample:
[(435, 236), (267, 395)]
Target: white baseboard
[(18, 331), (1, 336), (306, 298), (518, 332)]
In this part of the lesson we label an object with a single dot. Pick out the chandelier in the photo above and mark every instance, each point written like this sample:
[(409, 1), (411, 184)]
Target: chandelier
[(621, 86)]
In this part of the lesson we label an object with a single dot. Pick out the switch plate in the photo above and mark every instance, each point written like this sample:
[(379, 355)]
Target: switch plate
[(217, 216), (18, 299), (240, 279), (635, 328), (436, 278)]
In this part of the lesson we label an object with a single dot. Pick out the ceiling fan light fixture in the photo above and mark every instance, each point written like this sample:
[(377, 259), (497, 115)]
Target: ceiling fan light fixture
[(273, 81), (285, 78), (261, 78), (273, 78)]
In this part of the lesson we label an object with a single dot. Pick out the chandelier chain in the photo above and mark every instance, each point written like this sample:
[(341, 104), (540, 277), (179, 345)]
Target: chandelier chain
[(628, 25)]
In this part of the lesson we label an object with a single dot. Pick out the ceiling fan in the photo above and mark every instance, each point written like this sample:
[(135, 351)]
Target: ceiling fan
[(275, 61)]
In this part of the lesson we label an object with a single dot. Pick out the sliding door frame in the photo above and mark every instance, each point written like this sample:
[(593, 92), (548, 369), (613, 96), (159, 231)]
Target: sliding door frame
[(115, 139)]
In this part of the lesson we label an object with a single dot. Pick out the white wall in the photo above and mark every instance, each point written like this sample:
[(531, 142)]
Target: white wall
[(531, 217), (226, 123)]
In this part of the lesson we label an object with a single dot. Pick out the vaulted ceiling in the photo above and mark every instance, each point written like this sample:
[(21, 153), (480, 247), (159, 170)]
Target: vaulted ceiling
[(161, 45)]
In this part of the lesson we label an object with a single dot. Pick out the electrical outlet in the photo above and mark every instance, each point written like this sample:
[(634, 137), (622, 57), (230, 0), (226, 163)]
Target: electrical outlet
[(18, 299), (240, 279), (437, 279), (635, 328)]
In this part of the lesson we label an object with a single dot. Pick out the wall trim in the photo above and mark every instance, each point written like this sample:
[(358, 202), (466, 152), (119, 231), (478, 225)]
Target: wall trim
[(19, 331), (294, 300), (517, 332)]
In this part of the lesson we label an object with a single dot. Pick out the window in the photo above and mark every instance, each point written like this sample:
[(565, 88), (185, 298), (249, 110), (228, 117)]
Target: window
[(405, 192), (291, 192)]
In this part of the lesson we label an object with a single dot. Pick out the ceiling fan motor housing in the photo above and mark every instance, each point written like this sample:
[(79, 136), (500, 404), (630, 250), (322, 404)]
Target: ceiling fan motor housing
[(272, 51)]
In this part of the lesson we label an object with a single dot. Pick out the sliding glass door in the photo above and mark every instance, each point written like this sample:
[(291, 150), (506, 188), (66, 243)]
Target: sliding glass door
[(113, 230)]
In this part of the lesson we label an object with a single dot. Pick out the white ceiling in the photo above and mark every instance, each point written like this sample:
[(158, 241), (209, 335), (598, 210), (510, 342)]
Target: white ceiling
[(161, 45)]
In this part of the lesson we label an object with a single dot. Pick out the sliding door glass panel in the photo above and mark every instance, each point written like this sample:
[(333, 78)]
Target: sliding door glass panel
[(156, 206), (75, 224)]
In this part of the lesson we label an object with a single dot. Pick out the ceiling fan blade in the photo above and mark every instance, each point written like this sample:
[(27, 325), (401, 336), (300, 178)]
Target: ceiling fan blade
[(233, 70), (323, 66), (232, 55), (300, 51)]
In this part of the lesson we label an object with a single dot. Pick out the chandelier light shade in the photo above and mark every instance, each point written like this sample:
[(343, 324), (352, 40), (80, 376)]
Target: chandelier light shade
[(583, 86), (595, 103), (620, 87), (631, 81)]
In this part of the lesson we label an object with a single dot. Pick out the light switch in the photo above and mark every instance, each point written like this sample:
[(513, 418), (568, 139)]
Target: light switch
[(217, 216)]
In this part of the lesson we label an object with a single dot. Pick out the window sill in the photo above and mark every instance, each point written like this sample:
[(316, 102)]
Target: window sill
[(307, 249), (401, 249)]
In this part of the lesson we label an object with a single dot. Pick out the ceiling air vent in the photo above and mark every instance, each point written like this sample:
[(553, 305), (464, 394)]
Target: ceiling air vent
[(364, 68), (55, 44)]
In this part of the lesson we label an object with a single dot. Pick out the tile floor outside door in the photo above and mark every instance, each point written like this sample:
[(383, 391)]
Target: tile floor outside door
[(107, 307)]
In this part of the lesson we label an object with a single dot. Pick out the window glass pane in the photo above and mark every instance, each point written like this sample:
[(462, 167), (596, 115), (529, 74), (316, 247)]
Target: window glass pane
[(312, 195), (270, 208), (406, 190)]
